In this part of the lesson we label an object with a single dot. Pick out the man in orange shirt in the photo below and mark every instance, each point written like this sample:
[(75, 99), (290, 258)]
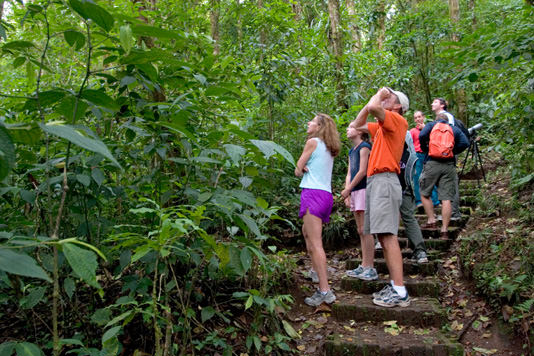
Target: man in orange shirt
[(384, 192)]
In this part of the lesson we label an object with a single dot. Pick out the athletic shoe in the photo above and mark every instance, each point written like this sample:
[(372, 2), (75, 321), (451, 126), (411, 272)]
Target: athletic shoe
[(419, 257), (318, 298), (311, 274), (392, 299), (456, 218), (383, 292), (368, 274), (378, 246), (354, 272)]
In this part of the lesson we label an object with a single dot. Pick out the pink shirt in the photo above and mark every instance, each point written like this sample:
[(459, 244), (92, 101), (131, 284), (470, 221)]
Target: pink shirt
[(415, 137)]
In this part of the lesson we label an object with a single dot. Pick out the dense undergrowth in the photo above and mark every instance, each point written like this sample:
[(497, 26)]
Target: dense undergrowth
[(499, 254)]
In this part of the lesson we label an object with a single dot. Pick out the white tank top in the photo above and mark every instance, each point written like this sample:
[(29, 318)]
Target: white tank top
[(320, 164)]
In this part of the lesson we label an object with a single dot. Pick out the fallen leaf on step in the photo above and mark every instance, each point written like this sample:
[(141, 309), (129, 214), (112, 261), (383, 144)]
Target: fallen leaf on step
[(301, 347)]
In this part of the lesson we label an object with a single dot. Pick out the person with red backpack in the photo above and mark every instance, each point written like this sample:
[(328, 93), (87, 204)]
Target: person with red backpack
[(442, 142)]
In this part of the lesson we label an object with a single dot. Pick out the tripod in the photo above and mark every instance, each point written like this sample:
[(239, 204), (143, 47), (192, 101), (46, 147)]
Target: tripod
[(475, 155)]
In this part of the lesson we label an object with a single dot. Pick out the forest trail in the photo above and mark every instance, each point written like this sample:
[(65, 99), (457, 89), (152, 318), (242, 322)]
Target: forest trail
[(444, 318)]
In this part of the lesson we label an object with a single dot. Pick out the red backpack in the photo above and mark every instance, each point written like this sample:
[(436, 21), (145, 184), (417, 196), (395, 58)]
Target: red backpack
[(441, 141)]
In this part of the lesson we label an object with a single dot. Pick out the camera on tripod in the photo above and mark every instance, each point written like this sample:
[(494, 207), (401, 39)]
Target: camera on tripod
[(474, 151), (473, 130)]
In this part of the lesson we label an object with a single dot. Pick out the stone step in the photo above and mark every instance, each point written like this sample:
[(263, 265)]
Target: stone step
[(407, 253), (417, 287), (421, 312), (422, 218), (454, 231), (464, 210), (434, 244), (373, 340), (409, 267)]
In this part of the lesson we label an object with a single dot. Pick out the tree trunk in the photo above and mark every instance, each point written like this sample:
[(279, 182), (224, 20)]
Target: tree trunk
[(381, 24), (336, 43), (461, 101), (239, 25), (158, 94), (354, 29), (214, 22), (263, 35)]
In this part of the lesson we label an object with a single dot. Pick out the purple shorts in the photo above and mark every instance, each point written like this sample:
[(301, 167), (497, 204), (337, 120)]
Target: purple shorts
[(317, 202)]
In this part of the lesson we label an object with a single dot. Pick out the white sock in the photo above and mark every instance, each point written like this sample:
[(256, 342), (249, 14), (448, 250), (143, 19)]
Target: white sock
[(392, 284), (325, 292), (401, 290)]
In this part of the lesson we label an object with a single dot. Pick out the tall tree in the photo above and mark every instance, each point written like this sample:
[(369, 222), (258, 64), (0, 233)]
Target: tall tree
[(354, 28), (336, 43), (214, 22), (460, 96)]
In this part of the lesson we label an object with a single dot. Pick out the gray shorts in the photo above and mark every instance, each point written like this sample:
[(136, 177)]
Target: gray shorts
[(440, 174), (382, 203)]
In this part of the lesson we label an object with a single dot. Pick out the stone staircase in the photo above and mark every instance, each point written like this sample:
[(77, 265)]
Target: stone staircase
[(368, 330)]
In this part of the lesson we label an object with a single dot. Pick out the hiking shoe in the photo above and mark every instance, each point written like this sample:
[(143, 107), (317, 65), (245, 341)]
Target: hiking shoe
[(383, 292), (378, 246), (311, 274), (456, 218), (354, 272), (318, 298), (392, 299), (420, 257)]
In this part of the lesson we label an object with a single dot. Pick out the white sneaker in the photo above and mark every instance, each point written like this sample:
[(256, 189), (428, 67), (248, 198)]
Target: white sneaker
[(378, 246)]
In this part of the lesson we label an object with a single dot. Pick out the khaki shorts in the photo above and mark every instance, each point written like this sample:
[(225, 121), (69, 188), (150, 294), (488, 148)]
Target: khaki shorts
[(440, 174), (382, 204)]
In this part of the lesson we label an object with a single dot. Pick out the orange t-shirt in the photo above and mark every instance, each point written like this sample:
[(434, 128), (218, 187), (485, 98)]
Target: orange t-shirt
[(388, 142)]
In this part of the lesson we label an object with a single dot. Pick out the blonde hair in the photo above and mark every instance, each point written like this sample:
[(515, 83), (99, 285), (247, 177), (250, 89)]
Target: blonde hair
[(328, 133)]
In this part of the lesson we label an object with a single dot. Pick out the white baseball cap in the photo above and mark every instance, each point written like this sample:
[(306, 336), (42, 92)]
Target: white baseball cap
[(403, 99)]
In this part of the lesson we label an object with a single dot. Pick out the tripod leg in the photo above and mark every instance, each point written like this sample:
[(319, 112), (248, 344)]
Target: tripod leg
[(480, 161), (465, 160)]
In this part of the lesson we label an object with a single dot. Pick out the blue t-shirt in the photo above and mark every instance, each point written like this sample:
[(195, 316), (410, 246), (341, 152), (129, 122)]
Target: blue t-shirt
[(354, 158)]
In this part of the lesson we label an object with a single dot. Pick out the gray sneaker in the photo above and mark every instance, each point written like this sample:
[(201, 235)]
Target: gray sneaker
[(354, 272), (368, 274), (311, 274), (392, 299), (318, 298), (383, 292), (420, 257)]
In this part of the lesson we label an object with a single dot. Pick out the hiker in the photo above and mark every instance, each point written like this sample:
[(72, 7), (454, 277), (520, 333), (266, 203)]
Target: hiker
[(439, 106), (354, 196), (419, 119), (442, 142), (384, 193), (315, 167), (406, 176)]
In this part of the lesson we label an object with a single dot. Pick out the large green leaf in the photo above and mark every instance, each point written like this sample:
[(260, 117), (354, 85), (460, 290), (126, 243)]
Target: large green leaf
[(7, 153), (21, 264), (83, 262), (28, 134), (90, 10), (126, 38), (269, 148), (74, 39), (27, 349), (100, 98), (235, 152), (18, 45), (6, 349), (46, 99), (152, 31), (69, 133)]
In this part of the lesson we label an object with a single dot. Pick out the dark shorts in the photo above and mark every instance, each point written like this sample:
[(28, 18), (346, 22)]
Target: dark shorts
[(317, 202), (440, 174)]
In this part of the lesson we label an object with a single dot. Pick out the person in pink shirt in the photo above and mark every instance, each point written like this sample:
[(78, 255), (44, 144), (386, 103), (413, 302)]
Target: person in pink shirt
[(419, 119)]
